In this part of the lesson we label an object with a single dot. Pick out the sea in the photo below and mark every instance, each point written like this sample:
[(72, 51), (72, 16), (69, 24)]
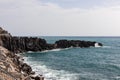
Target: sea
[(94, 63)]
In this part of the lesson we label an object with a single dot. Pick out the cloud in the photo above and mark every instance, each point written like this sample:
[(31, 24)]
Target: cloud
[(32, 17)]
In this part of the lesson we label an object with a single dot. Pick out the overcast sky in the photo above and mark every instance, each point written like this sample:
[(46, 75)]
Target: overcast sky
[(61, 17)]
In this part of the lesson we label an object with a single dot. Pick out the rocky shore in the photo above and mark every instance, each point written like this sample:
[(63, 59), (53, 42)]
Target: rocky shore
[(12, 66), (24, 44)]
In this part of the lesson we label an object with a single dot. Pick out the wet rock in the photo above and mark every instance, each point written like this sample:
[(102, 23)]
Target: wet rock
[(26, 68), (32, 73), (40, 77), (23, 44), (75, 43), (100, 44), (37, 78)]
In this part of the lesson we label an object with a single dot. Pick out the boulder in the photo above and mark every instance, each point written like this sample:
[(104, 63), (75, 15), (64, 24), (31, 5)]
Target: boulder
[(26, 68)]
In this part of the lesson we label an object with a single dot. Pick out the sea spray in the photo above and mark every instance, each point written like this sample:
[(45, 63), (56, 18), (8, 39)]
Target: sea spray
[(51, 74), (97, 45)]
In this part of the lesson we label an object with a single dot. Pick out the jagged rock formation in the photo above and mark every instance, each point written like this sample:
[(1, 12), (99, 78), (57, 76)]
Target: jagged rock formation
[(75, 43), (4, 32), (23, 44), (11, 65)]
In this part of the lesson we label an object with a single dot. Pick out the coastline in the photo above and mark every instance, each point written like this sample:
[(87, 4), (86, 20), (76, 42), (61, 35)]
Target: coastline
[(12, 45), (12, 67)]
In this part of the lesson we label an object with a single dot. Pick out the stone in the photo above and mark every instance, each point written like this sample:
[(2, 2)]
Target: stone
[(26, 68)]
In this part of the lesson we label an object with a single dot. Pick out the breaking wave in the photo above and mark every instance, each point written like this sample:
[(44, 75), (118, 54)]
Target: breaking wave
[(97, 45), (55, 50), (51, 74)]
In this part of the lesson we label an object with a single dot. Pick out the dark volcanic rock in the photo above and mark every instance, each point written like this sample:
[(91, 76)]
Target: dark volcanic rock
[(23, 44), (75, 43), (26, 68), (100, 44)]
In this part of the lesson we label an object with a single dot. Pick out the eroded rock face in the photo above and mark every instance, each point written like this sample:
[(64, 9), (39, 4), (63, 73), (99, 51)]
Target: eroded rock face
[(23, 44), (4, 32), (75, 43), (26, 68), (12, 68)]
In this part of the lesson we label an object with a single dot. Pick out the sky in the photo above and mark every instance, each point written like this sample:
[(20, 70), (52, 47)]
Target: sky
[(60, 17)]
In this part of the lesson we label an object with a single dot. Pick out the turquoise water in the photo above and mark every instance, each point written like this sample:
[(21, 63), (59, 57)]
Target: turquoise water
[(101, 63)]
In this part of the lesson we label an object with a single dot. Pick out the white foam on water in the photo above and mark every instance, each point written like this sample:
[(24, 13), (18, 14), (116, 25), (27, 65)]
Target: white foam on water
[(51, 74), (106, 47), (46, 51), (54, 50), (117, 77), (97, 45)]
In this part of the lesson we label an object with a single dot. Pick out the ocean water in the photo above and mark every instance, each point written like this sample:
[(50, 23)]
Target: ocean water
[(94, 63)]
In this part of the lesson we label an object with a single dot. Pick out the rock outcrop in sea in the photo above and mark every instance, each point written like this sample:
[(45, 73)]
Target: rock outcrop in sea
[(75, 43), (12, 66), (24, 44)]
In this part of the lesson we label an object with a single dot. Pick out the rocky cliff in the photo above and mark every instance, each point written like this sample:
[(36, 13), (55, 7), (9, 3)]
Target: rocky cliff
[(12, 66), (23, 44)]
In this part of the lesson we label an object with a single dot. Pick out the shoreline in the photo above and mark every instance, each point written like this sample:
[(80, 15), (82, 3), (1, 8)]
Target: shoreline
[(17, 45), (14, 68)]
